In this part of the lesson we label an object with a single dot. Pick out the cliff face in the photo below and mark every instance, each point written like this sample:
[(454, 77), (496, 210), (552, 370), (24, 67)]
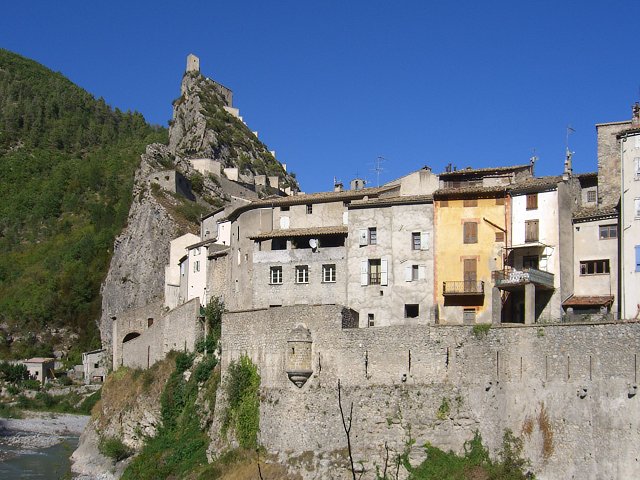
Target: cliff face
[(201, 128), (136, 272)]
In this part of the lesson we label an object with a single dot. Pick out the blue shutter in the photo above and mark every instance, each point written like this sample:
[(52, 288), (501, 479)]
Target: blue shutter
[(637, 258)]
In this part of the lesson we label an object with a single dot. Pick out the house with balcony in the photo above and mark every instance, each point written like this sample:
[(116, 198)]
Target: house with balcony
[(538, 261)]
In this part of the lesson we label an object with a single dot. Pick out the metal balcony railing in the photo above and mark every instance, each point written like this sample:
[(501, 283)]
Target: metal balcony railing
[(463, 288), (511, 276)]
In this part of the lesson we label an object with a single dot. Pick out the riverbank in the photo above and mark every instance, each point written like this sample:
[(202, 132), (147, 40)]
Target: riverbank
[(37, 431)]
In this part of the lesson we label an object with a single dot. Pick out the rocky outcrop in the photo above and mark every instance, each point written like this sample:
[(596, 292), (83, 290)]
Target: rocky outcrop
[(202, 128), (136, 272)]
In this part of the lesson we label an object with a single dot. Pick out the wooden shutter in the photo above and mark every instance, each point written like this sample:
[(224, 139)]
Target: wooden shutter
[(408, 273), (364, 272), (532, 201), (422, 272), (425, 240), (531, 231), (470, 232), (384, 277), (363, 235), (470, 274)]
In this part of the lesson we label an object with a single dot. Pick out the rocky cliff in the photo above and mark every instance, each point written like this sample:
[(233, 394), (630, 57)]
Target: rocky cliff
[(201, 128)]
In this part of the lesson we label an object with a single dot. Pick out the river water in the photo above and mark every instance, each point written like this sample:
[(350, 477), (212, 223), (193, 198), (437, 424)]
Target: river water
[(51, 463)]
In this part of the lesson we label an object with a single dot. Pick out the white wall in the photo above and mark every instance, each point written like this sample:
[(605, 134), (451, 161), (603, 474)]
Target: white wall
[(630, 230), (177, 249)]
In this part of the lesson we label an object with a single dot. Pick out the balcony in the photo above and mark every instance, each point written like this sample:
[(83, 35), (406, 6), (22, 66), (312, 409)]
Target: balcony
[(462, 288), (511, 278)]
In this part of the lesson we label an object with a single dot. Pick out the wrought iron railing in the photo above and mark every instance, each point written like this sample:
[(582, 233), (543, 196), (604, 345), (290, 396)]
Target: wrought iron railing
[(511, 276), (463, 288)]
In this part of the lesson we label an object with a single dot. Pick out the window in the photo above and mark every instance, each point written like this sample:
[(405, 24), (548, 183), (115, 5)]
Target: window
[(532, 201), (470, 202), (329, 273), (637, 207), (284, 209), (415, 241), (500, 201), (196, 266), (637, 256), (636, 165), (411, 310), (531, 261), (470, 232), (309, 209), (373, 236), (499, 236), (594, 267), (375, 272), (275, 275), (371, 319), (196, 251), (531, 231), (302, 274), (96, 365), (591, 196), (149, 322), (444, 203), (469, 315), (608, 231)]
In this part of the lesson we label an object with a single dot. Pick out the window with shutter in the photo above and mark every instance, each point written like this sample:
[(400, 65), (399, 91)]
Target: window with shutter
[(415, 241), (384, 276), (531, 231), (425, 240), (444, 203), (375, 272), (637, 207), (637, 258), (499, 236), (470, 232), (500, 201), (636, 167), (470, 274), (532, 201), (470, 202)]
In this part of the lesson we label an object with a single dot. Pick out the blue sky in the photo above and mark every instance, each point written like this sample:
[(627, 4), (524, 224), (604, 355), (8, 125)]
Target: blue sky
[(332, 85)]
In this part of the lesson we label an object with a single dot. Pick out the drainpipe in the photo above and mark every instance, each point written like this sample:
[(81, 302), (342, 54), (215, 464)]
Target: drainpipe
[(623, 311)]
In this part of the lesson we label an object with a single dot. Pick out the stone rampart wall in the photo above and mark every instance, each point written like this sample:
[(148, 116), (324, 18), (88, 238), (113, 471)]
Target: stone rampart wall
[(567, 390), (180, 329)]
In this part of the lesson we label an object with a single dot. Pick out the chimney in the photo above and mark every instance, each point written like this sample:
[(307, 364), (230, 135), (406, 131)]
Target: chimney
[(338, 187), (357, 184), (635, 117), (568, 167)]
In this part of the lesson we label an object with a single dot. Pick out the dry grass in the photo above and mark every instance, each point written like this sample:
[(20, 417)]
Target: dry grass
[(527, 427), (547, 432), (123, 389)]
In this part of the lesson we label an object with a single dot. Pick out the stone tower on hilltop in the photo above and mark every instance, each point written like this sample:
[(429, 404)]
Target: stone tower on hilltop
[(193, 63)]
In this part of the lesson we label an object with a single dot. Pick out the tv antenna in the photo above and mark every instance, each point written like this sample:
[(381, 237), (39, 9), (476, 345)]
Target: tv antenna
[(378, 167), (570, 130)]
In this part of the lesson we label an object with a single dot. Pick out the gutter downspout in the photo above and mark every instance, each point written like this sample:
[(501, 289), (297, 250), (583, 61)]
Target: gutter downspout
[(621, 269)]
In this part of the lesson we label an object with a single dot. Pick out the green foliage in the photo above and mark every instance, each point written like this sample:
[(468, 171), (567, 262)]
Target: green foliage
[(243, 412), (475, 463), (113, 448), (88, 403), (197, 182), (444, 409), (9, 411), (180, 446), (13, 373), (184, 361), (66, 173), (480, 330), (204, 369)]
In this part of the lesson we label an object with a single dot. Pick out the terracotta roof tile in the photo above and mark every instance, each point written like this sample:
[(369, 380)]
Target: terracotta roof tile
[(389, 201), (475, 171), (595, 212), (588, 301)]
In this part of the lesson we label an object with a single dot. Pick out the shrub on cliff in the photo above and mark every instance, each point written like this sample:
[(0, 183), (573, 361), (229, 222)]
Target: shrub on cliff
[(113, 448), (243, 411)]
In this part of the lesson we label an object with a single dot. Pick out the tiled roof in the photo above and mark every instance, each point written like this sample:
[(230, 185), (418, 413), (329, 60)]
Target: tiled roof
[(595, 212), (475, 171), (588, 301), (321, 197), (390, 201), (301, 232), (536, 184), (202, 243), (627, 131), (470, 191)]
